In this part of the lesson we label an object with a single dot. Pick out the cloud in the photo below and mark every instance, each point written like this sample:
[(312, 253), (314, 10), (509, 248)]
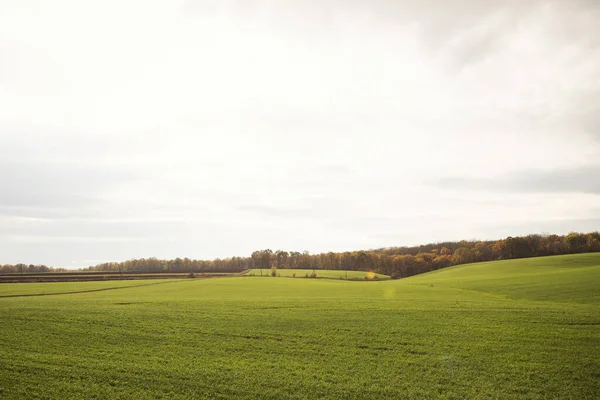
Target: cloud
[(586, 114), (278, 212), (473, 47), (581, 179), (56, 185), (546, 226), (212, 128)]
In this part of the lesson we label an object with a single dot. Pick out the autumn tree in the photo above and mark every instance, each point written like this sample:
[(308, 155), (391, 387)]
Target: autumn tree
[(575, 242), (281, 258)]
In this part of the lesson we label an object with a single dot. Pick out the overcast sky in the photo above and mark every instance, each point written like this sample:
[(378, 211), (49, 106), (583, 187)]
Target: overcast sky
[(214, 128)]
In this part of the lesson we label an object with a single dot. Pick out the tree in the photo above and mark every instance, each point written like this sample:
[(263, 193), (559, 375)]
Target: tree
[(462, 255), (281, 258), (266, 258), (442, 262), (483, 251), (593, 241), (21, 268), (364, 261), (304, 260), (575, 242), (294, 258), (255, 259), (445, 251)]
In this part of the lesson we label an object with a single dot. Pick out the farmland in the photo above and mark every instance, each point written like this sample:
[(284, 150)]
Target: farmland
[(320, 273), (45, 288), (98, 276), (524, 329)]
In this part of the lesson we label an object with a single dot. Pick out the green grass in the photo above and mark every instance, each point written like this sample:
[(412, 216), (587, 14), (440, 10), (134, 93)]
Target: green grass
[(20, 289), (483, 331), (569, 278), (321, 273)]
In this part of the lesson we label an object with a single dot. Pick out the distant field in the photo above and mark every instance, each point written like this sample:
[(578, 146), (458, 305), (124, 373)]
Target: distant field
[(13, 289), (520, 329), (98, 276), (321, 273)]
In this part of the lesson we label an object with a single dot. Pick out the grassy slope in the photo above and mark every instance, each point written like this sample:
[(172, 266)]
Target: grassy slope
[(573, 278), (304, 338), (321, 273)]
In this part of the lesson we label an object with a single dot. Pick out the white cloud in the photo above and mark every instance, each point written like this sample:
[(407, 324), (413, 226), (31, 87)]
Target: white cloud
[(208, 129)]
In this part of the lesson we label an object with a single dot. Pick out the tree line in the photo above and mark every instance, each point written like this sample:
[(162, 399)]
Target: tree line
[(28, 269), (397, 262)]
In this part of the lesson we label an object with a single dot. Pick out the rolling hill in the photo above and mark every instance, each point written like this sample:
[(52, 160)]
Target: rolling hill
[(520, 329), (562, 278)]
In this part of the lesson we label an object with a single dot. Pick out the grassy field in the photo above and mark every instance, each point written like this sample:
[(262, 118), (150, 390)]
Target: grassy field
[(44, 288), (321, 273), (522, 329), (560, 278), (99, 276)]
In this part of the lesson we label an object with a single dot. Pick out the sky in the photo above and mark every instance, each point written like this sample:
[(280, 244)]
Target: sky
[(208, 129)]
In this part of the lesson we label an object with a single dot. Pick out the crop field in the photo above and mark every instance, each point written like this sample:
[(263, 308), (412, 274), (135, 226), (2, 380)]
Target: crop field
[(519, 329), (99, 276), (45, 288), (321, 273)]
